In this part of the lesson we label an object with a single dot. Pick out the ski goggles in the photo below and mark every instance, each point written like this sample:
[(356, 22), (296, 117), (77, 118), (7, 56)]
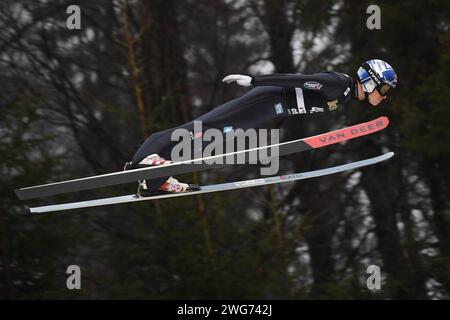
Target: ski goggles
[(375, 82), (370, 85), (383, 89)]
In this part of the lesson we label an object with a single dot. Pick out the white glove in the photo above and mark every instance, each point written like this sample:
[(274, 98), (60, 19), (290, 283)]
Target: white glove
[(240, 79)]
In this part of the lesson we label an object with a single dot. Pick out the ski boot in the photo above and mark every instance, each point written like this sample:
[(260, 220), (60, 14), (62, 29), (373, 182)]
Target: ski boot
[(171, 185)]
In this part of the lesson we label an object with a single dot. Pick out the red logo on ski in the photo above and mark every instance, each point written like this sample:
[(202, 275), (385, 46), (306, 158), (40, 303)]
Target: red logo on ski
[(355, 131)]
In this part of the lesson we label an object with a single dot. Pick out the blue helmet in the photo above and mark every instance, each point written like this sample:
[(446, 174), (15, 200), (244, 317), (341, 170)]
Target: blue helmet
[(377, 74)]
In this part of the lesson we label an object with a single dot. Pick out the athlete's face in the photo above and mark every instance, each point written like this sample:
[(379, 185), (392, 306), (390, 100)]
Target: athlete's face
[(375, 98)]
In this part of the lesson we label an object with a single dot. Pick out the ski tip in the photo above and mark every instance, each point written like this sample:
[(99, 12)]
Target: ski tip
[(390, 155), (385, 120), (379, 123), (344, 134), (384, 156)]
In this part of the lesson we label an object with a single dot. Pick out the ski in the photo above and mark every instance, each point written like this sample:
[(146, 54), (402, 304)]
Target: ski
[(216, 187), (199, 164)]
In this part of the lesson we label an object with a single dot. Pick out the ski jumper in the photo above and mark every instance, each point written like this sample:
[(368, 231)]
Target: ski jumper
[(274, 96)]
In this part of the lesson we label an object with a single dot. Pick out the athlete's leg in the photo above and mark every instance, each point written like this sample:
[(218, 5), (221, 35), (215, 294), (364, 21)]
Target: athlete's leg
[(251, 110), (157, 144)]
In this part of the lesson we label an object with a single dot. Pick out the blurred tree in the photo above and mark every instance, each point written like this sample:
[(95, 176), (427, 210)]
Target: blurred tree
[(412, 46)]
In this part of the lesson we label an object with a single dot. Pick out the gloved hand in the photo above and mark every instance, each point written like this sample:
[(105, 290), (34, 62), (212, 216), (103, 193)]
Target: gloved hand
[(240, 79)]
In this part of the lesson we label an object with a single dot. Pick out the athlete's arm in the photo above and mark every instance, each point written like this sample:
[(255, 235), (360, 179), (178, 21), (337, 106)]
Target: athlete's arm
[(319, 81)]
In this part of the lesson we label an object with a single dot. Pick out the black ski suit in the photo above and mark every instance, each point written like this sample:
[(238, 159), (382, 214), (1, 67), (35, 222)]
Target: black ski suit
[(274, 96)]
